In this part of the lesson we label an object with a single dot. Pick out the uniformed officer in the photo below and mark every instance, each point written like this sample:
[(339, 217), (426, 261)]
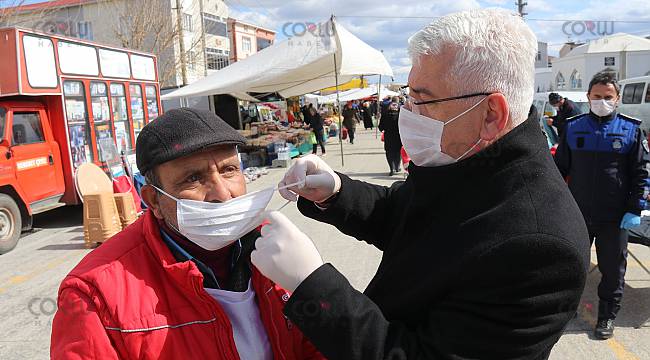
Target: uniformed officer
[(601, 154)]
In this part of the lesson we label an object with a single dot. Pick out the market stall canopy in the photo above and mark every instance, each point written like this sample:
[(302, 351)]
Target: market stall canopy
[(355, 94), (244, 96), (295, 66)]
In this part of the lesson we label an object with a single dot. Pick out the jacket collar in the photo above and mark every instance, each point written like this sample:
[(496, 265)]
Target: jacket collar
[(185, 274), (603, 119)]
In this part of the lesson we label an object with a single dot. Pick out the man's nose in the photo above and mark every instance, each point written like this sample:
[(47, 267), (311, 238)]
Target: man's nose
[(217, 189)]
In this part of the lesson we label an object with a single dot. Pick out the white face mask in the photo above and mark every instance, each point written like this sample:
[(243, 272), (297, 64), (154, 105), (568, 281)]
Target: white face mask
[(422, 138), (213, 226), (603, 107)]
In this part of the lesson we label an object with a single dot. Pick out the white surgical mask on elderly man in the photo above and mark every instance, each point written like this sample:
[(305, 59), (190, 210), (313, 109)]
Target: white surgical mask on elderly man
[(422, 138), (214, 226), (603, 107)]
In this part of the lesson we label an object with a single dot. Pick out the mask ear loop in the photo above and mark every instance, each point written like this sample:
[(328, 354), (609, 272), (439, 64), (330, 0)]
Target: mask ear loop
[(163, 192), (301, 182)]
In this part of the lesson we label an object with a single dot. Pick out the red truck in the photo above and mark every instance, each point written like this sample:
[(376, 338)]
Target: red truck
[(64, 102)]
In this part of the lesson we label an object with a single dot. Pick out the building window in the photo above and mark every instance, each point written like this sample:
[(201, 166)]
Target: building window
[(539, 55), (263, 43), (187, 22), (216, 60), (191, 60), (85, 30), (246, 44), (610, 61), (576, 80), (560, 83), (214, 25)]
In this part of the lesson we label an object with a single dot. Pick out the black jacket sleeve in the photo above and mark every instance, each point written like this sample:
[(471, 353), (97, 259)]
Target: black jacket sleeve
[(361, 210), (493, 312), (638, 174), (563, 156)]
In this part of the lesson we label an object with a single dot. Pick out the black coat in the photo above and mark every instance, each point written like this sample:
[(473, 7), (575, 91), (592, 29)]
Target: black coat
[(367, 117), (306, 115), (350, 118), (482, 259), (390, 126), (316, 122)]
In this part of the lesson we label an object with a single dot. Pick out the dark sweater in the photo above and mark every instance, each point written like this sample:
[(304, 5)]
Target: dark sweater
[(482, 259)]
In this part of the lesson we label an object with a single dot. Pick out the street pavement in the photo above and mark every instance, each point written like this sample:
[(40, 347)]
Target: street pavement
[(31, 273)]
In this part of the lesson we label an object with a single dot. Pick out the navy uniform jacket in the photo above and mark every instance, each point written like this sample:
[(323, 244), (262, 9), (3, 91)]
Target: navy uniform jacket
[(604, 163)]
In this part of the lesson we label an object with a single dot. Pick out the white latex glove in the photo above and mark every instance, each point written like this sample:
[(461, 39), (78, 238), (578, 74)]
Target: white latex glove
[(285, 254), (318, 182)]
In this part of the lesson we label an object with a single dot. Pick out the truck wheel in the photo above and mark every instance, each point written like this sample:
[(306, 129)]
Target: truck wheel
[(10, 223)]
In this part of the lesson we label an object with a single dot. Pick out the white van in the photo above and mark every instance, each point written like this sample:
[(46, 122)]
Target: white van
[(544, 109), (635, 99)]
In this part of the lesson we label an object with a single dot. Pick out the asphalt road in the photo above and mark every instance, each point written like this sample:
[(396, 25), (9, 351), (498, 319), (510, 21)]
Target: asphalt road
[(31, 273)]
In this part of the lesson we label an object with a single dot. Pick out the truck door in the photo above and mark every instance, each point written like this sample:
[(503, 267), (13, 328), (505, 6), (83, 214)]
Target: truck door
[(33, 155)]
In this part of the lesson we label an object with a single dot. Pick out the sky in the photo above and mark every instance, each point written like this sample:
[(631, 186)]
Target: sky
[(387, 25)]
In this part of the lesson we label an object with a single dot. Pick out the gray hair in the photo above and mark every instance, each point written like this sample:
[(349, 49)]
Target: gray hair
[(494, 52), (152, 178)]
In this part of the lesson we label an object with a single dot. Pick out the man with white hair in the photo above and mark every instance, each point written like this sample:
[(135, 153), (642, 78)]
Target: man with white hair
[(485, 252)]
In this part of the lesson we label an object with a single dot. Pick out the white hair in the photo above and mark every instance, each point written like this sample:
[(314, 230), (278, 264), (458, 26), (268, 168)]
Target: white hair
[(494, 52)]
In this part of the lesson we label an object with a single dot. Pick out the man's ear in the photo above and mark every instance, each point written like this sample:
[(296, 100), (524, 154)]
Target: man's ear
[(150, 197), (498, 115)]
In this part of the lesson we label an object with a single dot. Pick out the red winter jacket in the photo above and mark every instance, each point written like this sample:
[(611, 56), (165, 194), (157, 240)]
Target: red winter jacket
[(130, 299)]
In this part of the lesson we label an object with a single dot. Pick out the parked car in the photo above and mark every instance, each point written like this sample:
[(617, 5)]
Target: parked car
[(635, 100)]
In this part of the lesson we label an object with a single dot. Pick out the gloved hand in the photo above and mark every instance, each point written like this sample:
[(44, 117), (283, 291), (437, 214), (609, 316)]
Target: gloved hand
[(285, 254), (630, 220), (318, 181)]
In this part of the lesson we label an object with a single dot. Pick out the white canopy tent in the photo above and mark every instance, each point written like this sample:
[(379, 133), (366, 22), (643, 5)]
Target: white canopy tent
[(295, 66), (356, 94), (324, 56)]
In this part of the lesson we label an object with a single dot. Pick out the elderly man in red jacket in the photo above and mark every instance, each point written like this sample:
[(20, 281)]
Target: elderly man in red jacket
[(178, 283)]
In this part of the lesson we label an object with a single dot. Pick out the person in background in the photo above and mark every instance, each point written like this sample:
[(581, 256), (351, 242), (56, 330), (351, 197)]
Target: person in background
[(316, 125), (373, 108), (484, 251), (350, 120), (602, 156), (178, 283), (306, 113), (565, 109), (392, 141), (367, 116)]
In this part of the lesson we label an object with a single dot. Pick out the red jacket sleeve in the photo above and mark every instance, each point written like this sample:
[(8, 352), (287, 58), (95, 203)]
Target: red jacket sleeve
[(77, 332)]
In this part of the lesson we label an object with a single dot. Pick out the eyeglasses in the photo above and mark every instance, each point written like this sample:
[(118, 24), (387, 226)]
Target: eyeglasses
[(435, 101)]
